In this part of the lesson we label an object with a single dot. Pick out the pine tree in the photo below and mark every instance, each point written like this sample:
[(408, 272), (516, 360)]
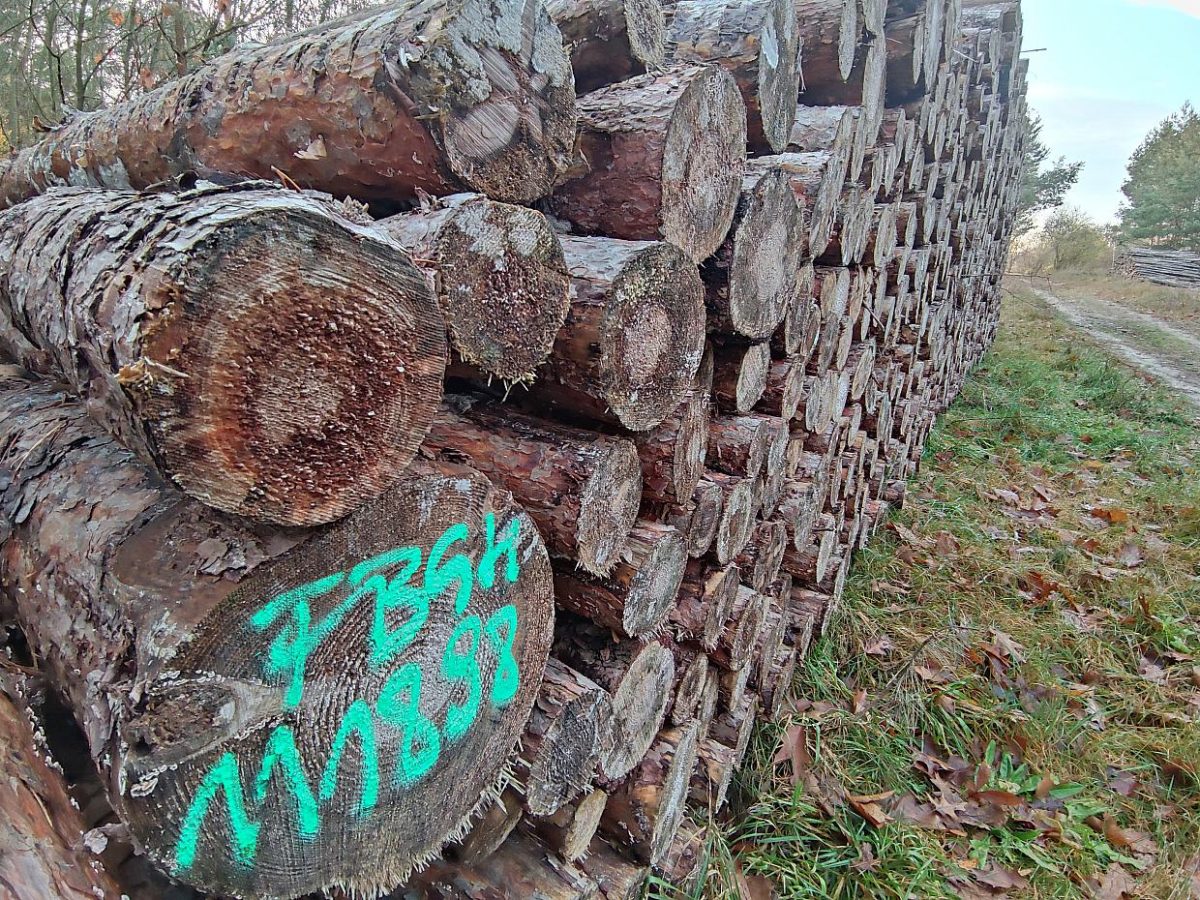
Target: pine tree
[(1163, 190)]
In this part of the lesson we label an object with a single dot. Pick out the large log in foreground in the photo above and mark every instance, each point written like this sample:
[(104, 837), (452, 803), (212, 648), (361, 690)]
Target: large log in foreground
[(269, 355), (274, 713), (436, 95)]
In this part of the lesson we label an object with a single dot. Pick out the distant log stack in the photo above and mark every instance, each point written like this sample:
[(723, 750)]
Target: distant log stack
[(677, 396), (1173, 268)]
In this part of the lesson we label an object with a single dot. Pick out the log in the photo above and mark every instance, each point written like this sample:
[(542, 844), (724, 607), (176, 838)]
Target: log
[(618, 878), (751, 278), (610, 40), (471, 94), (739, 508), (866, 86), (691, 674), (740, 445), (496, 822), (829, 32), (705, 601), (639, 677), (715, 767), (570, 830), (260, 731), (651, 171), (762, 556), (746, 621), (45, 853), (699, 520), (499, 276), (231, 349), (816, 177), (785, 385), (645, 810), (740, 376), (570, 727), (632, 342), (521, 867), (672, 455), (756, 42), (636, 596), (582, 489)]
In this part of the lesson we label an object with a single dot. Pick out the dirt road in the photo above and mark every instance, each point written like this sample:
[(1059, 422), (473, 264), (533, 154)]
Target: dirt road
[(1157, 348)]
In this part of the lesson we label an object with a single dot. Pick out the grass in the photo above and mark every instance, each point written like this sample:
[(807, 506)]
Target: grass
[(1012, 692)]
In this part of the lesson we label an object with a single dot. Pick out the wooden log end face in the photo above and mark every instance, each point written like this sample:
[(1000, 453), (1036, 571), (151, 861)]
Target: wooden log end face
[(653, 336), (646, 30), (297, 375), (579, 833), (639, 707), (778, 74), (609, 507), (766, 257), (737, 520), (655, 586), (569, 752), (504, 287), (343, 713), (703, 162), (752, 377), (691, 446), (507, 115)]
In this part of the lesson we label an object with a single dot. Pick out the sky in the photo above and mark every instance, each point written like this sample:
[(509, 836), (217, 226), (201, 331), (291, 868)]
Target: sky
[(1111, 71)]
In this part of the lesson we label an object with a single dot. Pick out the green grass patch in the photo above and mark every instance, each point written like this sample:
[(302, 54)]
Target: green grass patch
[(1024, 639)]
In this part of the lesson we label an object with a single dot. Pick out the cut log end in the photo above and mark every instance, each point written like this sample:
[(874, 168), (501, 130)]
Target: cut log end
[(609, 507), (513, 137), (501, 277), (639, 707), (653, 336), (703, 162), (778, 74), (255, 766)]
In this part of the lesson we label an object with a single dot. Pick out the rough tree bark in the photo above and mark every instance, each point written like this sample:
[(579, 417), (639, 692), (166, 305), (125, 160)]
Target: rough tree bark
[(41, 830), (672, 455), (633, 339), (270, 356), (610, 40), (274, 712), (499, 276), (758, 44), (419, 95), (582, 488), (650, 169)]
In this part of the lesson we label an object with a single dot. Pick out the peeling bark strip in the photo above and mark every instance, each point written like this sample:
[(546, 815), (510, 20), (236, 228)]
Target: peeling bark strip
[(499, 276), (272, 358), (42, 852), (632, 342), (436, 95), (664, 156), (757, 43), (274, 713), (610, 40)]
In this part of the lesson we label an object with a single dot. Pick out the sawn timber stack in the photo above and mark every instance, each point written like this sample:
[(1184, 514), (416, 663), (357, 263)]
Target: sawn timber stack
[(666, 351)]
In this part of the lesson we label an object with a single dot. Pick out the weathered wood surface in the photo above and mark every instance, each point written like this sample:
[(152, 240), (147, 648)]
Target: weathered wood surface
[(273, 712), (499, 276), (432, 95), (271, 356), (662, 159), (756, 42)]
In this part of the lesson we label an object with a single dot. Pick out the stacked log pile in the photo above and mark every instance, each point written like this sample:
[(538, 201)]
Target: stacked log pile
[(1173, 268), (450, 540)]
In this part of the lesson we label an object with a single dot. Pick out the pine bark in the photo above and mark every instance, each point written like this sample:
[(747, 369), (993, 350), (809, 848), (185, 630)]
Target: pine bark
[(269, 355), (41, 830), (218, 665), (418, 95), (499, 276), (651, 171)]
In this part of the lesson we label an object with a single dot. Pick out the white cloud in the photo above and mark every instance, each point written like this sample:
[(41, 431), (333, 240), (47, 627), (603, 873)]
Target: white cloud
[(1187, 7)]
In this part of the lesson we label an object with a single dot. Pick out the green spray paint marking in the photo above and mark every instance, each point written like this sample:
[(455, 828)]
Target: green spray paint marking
[(398, 705)]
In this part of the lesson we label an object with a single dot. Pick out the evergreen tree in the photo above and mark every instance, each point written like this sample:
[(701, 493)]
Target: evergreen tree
[(1043, 186), (1163, 190)]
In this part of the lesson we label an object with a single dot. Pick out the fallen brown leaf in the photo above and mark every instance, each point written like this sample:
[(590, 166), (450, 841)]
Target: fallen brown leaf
[(870, 810)]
